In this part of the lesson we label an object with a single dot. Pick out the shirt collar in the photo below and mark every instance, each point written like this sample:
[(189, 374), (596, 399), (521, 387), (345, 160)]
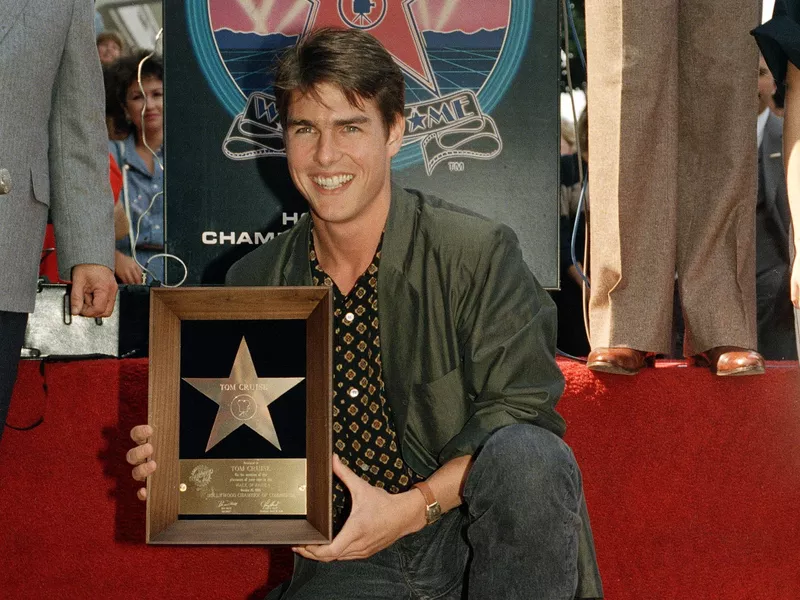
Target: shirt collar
[(761, 125), (135, 161)]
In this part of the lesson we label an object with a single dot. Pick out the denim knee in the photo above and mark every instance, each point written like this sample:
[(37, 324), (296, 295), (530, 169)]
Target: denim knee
[(523, 463)]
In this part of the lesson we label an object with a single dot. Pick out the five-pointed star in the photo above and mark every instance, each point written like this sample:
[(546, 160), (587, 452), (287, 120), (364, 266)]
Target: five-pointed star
[(397, 31), (243, 398)]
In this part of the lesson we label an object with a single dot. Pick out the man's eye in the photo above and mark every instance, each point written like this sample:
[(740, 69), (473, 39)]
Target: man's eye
[(351, 129), (304, 129)]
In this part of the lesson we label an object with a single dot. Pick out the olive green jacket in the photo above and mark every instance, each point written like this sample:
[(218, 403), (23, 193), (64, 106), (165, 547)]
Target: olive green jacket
[(467, 334)]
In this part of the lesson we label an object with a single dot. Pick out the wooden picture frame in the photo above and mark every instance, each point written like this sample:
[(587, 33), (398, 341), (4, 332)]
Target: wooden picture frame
[(169, 307)]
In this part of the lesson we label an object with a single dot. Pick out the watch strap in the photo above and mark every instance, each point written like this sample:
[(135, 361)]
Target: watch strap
[(427, 492)]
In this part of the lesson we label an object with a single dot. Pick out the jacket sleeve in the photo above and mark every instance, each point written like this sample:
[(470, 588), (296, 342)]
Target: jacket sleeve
[(508, 326), (81, 203)]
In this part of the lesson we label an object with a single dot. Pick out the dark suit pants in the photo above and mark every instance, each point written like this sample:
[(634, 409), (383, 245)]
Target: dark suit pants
[(12, 334)]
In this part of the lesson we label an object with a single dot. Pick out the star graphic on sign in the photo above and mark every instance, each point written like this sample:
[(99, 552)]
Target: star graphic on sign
[(243, 398), (392, 23), (416, 120)]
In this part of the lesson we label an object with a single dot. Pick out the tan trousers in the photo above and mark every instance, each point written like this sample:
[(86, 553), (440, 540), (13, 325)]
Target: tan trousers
[(673, 97)]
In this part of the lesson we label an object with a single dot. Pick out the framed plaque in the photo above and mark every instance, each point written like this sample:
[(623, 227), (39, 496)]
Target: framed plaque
[(240, 401)]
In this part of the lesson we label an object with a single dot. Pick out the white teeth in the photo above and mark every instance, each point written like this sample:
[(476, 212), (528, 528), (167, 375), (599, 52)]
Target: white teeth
[(331, 183)]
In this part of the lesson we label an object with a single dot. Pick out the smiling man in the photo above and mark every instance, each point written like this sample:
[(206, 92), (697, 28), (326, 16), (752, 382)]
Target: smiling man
[(452, 480)]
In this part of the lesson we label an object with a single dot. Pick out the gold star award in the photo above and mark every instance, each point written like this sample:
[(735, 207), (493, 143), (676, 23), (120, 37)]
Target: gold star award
[(243, 398)]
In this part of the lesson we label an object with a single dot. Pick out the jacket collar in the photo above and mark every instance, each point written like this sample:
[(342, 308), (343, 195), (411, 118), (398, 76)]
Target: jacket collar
[(297, 270), (400, 227), (10, 10)]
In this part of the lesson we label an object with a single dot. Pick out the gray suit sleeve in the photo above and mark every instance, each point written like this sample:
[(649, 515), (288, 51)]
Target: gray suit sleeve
[(80, 200)]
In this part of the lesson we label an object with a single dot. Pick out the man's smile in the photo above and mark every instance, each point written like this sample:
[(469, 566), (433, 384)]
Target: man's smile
[(332, 182)]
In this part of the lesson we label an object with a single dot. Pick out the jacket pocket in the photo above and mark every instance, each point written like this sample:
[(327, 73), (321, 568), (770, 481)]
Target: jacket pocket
[(40, 182), (440, 410)]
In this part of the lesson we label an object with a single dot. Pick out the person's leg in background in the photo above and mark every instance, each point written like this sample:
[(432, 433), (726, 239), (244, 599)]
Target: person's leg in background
[(12, 334), (633, 91), (717, 181)]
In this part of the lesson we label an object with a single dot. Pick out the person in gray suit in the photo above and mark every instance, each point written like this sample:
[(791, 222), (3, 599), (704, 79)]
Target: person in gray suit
[(776, 338), (53, 154)]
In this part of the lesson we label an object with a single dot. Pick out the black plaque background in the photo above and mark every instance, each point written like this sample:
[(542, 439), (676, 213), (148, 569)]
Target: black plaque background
[(208, 349), (205, 191)]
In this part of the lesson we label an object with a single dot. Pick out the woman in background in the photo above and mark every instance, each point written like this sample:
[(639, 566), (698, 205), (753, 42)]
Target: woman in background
[(779, 41), (142, 167)]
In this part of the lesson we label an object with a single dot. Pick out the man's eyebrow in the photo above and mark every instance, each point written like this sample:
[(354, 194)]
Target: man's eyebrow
[(357, 120), (300, 122)]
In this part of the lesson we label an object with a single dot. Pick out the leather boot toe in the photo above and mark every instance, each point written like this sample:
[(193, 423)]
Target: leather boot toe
[(619, 361), (732, 360)]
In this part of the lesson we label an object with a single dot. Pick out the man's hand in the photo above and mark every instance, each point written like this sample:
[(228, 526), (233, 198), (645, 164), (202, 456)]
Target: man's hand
[(377, 520), (126, 269), (140, 455), (94, 291), (795, 284)]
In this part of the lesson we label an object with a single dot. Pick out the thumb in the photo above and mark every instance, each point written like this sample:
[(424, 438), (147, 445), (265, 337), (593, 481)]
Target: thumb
[(349, 479), (76, 295)]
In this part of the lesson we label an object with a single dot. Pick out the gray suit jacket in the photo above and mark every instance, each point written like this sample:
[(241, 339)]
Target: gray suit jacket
[(52, 142)]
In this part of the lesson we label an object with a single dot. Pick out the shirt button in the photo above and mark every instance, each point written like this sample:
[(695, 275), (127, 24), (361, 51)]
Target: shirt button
[(349, 317), (353, 392)]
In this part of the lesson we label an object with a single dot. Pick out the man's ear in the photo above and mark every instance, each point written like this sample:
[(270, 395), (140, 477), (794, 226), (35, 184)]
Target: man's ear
[(396, 131)]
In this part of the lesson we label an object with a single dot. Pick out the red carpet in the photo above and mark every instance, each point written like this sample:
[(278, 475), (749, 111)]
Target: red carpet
[(693, 485)]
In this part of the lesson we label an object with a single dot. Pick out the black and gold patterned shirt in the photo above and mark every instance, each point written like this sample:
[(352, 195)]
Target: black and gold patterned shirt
[(363, 427)]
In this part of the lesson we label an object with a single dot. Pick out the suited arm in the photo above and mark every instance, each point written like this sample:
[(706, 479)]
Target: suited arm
[(508, 323), (791, 154), (80, 200)]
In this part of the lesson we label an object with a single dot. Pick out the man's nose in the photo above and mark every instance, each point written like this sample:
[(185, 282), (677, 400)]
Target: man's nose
[(327, 149)]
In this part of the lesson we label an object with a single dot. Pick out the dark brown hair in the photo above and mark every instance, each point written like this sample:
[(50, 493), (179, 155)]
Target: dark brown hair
[(350, 59), (121, 74)]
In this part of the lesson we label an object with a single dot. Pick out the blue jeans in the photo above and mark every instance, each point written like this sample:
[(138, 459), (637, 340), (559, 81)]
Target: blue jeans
[(516, 536)]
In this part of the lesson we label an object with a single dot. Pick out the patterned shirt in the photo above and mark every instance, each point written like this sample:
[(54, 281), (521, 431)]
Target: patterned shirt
[(363, 427), (142, 186)]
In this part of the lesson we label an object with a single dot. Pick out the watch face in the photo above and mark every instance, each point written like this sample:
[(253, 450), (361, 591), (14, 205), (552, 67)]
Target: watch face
[(434, 512)]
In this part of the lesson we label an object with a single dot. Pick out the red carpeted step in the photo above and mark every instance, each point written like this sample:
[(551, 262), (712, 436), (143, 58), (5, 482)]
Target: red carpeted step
[(692, 481), (71, 524)]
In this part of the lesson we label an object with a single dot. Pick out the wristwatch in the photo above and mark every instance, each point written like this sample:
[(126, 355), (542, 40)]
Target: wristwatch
[(432, 509)]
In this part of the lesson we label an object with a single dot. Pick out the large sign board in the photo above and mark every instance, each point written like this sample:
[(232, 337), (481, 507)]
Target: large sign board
[(481, 117)]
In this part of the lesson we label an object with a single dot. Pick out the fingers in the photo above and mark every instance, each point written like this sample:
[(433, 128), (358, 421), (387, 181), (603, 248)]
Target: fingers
[(95, 304), (141, 433), (134, 275), (139, 454), (93, 291), (144, 470)]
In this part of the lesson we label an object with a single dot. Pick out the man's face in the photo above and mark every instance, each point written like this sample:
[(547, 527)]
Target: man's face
[(109, 51), (766, 85), (339, 155)]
